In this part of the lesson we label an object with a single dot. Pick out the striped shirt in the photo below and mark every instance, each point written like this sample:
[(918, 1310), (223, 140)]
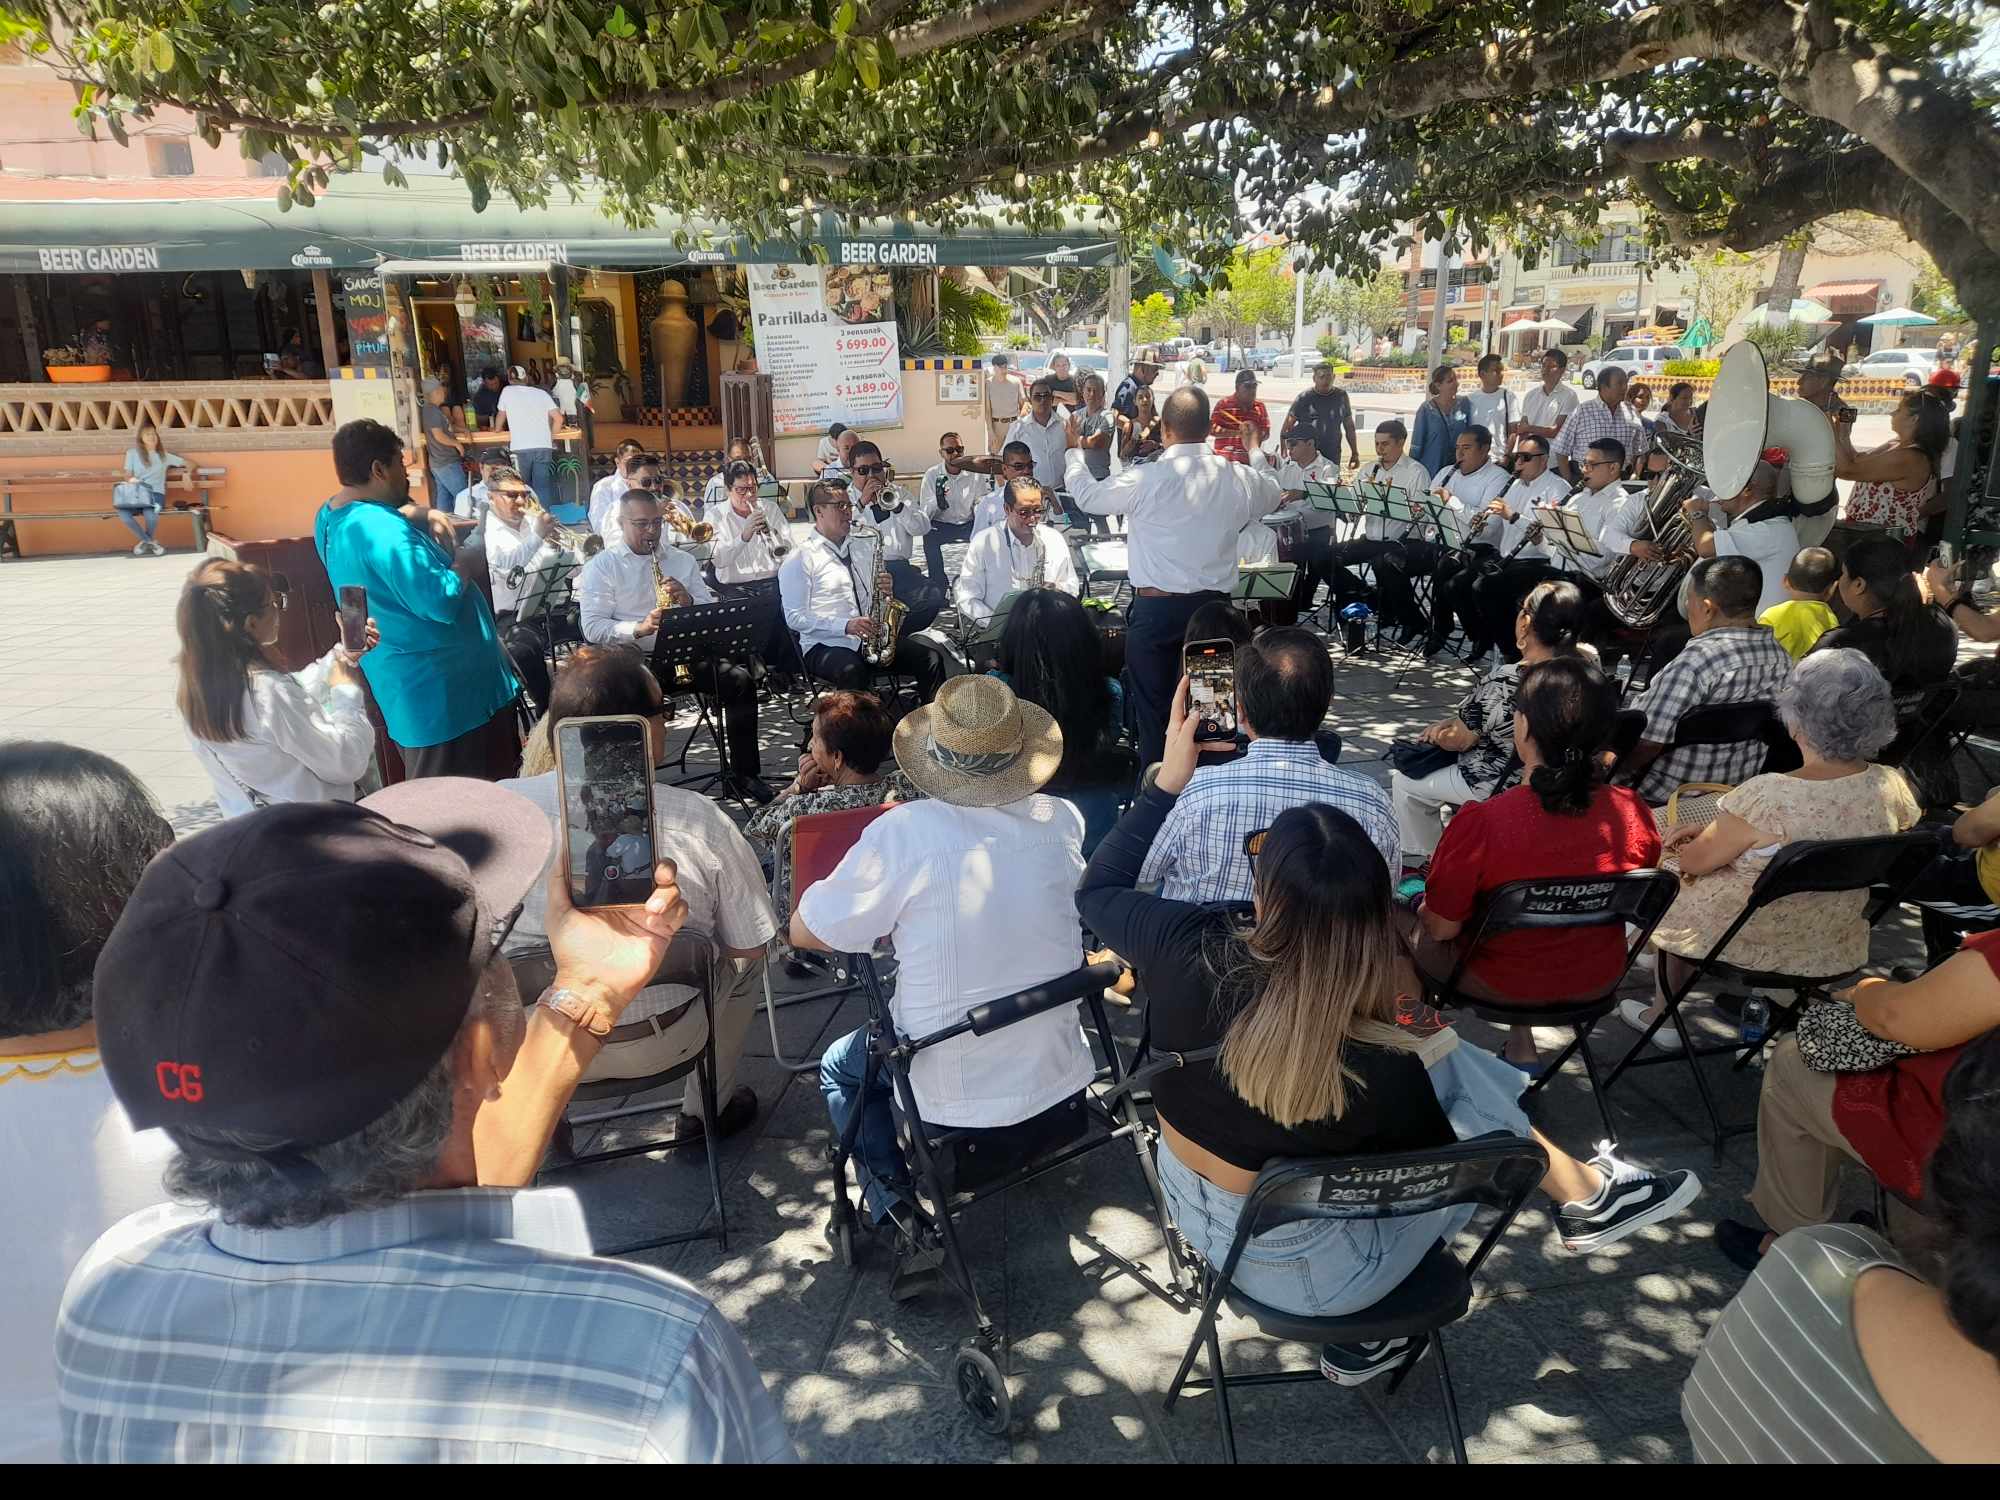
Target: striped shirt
[(1198, 855), (470, 1325), (1781, 1378), (1593, 421), (1729, 664)]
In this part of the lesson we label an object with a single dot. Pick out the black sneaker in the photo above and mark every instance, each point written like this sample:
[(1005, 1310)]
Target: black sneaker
[(1357, 1364), (1631, 1198)]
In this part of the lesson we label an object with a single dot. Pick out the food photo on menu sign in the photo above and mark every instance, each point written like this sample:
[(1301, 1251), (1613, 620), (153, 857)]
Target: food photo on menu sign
[(826, 335)]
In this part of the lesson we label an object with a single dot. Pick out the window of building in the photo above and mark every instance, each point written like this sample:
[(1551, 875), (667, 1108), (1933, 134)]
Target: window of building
[(270, 164), (169, 156)]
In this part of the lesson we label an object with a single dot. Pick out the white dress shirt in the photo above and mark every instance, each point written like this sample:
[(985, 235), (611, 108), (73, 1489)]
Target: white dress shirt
[(1470, 495), (1048, 442), (962, 493), (604, 498), (961, 891), (1293, 478), (1608, 516), (615, 592), (1771, 544), (1522, 499), (997, 565), (1407, 475), (303, 741), (716, 491), (1186, 509), (900, 529), (823, 587), (1544, 408), (739, 559), (467, 501), (509, 548)]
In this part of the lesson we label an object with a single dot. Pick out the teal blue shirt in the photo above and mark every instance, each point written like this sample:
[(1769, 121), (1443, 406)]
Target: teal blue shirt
[(439, 671)]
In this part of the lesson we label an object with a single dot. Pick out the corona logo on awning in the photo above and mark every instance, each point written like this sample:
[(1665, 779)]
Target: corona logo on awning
[(707, 257), (312, 255), (1062, 255)]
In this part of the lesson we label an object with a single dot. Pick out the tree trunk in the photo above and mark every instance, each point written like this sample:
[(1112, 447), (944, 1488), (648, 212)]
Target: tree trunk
[(1791, 267)]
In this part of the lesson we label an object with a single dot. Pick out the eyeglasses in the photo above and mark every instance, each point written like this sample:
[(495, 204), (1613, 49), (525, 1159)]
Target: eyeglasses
[(1600, 463), (869, 471), (951, 452), (846, 507), (1042, 396), (1018, 466), (1028, 512), (1530, 456), (519, 497), (639, 524)]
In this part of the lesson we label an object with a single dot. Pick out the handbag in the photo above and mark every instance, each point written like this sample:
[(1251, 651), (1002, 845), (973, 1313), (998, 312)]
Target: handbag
[(129, 494), (1417, 760), (1833, 1040)]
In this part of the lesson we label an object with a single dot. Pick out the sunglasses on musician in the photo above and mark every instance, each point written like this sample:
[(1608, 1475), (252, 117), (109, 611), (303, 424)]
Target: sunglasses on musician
[(951, 452), (869, 471), (843, 506)]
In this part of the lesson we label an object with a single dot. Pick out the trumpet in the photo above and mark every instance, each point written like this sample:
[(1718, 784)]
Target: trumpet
[(768, 488), (569, 538), (679, 519)]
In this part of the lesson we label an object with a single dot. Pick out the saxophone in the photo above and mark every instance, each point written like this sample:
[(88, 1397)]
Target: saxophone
[(662, 596), (1036, 579), (885, 609)]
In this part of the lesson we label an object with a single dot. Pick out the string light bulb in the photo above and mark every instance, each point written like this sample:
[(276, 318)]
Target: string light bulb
[(784, 184), (1020, 179), (1152, 138)]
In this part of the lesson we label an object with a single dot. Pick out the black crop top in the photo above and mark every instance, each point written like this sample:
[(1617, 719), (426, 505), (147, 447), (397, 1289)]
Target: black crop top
[(1392, 1108)]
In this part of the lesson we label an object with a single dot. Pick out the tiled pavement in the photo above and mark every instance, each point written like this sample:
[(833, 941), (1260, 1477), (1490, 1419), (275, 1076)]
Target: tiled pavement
[(1563, 1359)]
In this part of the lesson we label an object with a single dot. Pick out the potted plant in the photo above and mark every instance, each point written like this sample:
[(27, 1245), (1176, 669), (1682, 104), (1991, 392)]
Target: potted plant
[(85, 363), (610, 392)]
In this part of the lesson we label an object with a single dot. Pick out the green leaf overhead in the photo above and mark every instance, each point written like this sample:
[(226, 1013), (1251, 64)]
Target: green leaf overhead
[(1337, 123)]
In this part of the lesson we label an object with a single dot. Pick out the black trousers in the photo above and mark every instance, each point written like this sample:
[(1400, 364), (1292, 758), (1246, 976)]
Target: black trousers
[(923, 598), (1393, 571), (940, 533), (1155, 630), (1951, 901), (778, 650), (489, 752), (730, 683), (842, 666), (527, 651), (1496, 600)]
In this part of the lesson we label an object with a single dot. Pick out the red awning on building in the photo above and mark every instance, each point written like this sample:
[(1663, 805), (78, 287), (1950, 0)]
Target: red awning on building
[(1848, 297)]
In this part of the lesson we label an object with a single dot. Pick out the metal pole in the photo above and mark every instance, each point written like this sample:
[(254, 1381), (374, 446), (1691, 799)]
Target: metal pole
[(1118, 323)]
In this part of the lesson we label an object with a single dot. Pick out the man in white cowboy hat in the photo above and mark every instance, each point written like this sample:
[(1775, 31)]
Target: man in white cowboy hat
[(960, 882)]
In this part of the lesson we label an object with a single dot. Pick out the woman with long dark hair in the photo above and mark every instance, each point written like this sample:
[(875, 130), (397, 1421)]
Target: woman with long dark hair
[(1442, 418), (1303, 1005), (263, 734), (1896, 485), (1911, 643), (1052, 656), (1564, 820)]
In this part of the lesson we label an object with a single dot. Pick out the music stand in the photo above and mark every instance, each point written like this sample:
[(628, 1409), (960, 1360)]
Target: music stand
[(984, 634), (547, 588), (1275, 582), (700, 635), (1451, 527), (1563, 529)]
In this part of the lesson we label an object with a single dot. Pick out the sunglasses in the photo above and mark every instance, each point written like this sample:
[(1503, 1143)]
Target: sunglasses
[(843, 506), (869, 471), (1600, 463), (1253, 845), (520, 496), (1029, 512), (951, 452)]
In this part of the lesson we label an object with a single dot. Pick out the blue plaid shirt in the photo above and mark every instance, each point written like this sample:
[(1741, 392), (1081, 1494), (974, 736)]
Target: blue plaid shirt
[(470, 1325), (1198, 855)]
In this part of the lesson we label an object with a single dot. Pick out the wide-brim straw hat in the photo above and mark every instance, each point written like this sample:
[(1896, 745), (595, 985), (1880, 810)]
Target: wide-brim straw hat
[(977, 745)]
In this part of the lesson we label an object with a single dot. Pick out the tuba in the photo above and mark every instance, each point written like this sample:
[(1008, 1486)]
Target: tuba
[(1638, 593), (885, 609)]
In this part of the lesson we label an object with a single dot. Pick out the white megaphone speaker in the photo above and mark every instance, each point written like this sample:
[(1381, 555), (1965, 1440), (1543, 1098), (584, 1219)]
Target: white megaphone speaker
[(1744, 419)]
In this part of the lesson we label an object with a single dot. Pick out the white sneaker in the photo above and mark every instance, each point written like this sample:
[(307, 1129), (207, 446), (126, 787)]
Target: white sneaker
[(139, 548), (1633, 1014), (1631, 1198), (156, 549)]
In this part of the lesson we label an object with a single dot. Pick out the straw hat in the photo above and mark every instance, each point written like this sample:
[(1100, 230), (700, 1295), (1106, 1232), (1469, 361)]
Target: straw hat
[(977, 745)]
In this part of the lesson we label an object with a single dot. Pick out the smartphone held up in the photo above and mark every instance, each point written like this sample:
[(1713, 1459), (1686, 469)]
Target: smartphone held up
[(1211, 672), (353, 619), (604, 769)]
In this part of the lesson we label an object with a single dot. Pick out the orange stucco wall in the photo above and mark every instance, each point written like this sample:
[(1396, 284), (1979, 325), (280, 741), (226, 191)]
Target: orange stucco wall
[(270, 493)]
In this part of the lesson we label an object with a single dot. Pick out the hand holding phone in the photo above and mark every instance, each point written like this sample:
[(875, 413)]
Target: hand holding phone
[(604, 770), (353, 619), (1211, 672)]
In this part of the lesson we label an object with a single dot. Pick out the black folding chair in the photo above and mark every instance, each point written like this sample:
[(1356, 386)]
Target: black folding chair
[(1494, 1171), (694, 961), (954, 1167), (1916, 729), (1637, 898), (1628, 727), (1810, 866), (1736, 724)]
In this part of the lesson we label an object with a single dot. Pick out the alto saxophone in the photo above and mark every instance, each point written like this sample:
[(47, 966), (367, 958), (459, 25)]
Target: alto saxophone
[(663, 597), (885, 609)]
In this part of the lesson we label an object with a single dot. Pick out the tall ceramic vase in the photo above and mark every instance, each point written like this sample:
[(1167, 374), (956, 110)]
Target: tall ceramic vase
[(673, 335)]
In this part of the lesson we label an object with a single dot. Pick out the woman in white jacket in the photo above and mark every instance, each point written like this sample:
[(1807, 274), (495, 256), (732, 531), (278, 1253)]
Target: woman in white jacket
[(265, 735)]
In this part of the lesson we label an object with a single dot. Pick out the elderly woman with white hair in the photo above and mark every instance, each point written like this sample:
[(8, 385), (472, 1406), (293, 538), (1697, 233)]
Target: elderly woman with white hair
[(1840, 712)]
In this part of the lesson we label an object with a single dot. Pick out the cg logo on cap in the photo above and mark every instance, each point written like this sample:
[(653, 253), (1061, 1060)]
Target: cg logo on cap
[(179, 1081)]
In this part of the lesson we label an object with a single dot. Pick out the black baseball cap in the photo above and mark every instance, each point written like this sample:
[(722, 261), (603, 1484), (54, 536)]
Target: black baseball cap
[(294, 972)]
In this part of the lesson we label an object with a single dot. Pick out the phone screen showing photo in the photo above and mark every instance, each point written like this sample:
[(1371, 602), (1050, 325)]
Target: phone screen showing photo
[(605, 770), (1211, 672), (353, 618)]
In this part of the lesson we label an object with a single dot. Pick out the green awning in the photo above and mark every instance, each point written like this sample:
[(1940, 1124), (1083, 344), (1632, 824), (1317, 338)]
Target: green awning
[(82, 227)]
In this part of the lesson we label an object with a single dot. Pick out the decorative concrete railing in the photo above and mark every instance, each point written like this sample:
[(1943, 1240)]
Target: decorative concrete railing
[(1864, 395), (207, 414)]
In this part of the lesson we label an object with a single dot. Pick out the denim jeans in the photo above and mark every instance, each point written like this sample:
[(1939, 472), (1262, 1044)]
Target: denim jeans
[(877, 1157), (141, 522), (538, 467), (1331, 1267), (448, 482)]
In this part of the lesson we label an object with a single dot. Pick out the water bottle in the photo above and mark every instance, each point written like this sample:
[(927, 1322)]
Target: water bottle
[(1755, 1024)]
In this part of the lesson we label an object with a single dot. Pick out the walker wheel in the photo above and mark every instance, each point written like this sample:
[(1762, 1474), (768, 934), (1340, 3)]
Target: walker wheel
[(983, 1389)]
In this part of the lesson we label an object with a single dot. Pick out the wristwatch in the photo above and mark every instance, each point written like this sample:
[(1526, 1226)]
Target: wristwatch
[(1965, 598), (585, 1015)]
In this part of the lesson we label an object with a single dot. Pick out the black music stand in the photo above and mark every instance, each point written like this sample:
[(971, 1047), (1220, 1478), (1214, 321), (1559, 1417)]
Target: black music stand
[(697, 637)]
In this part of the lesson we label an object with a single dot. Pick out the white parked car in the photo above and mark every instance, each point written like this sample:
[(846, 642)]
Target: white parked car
[(1911, 366), (1083, 361), (1647, 360)]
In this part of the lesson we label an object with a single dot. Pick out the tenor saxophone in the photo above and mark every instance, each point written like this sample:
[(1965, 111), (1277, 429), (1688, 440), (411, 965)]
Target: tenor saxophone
[(885, 609)]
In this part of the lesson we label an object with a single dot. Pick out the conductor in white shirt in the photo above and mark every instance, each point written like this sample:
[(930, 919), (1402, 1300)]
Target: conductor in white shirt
[(752, 536), (829, 584), (263, 734), (618, 597), (1018, 554), (1183, 513)]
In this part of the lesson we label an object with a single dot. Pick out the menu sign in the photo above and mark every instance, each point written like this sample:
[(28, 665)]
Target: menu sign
[(826, 335), (366, 308)]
